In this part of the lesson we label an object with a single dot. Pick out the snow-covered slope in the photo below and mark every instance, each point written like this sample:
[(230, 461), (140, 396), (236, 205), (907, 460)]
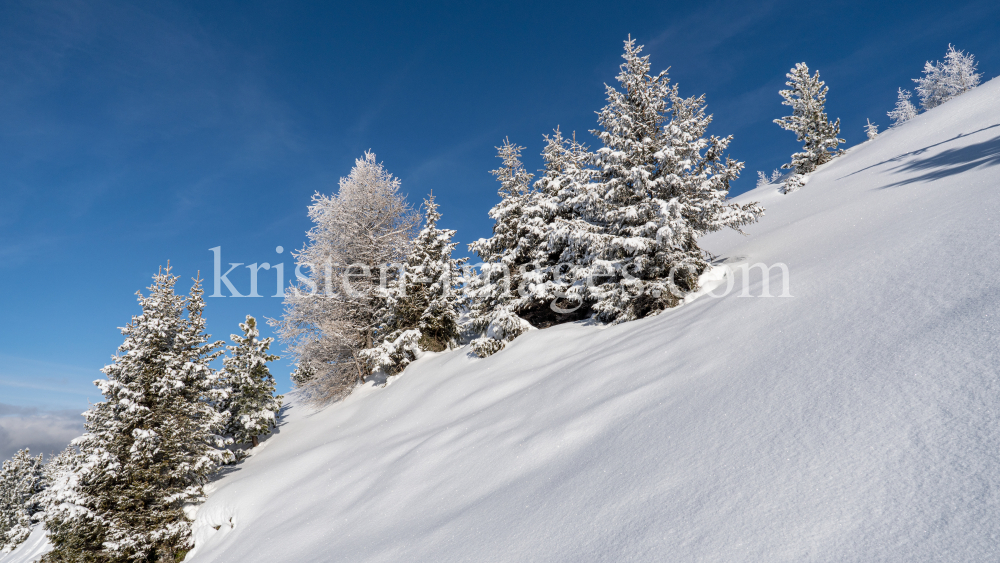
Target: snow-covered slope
[(31, 550), (858, 420)]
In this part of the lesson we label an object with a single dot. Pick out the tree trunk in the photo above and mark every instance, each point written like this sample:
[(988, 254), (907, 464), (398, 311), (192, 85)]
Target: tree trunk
[(255, 440), (357, 364)]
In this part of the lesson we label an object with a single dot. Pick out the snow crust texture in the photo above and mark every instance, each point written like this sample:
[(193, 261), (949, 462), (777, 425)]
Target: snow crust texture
[(856, 421)]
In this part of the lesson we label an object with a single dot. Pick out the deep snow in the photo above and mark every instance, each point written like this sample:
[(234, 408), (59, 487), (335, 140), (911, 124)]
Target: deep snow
[(854, 421)]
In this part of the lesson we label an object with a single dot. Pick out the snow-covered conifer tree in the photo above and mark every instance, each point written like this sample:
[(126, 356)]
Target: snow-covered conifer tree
[(249, 404), (151, 444), (491, 293), (65, 518), (660, 184), (75, 531), (765, 180), (424, 303), (360, 237), (944, 81), (871, 130), (59, 484), (432, 278), (558, 240), (818, 135), (904, 110), (539, 242), (20, 500)]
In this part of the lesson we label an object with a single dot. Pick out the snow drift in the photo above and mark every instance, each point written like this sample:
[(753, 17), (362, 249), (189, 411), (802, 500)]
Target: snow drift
[(858, 420)]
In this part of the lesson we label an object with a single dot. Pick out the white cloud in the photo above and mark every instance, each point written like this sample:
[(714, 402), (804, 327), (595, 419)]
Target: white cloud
[(42, 431)]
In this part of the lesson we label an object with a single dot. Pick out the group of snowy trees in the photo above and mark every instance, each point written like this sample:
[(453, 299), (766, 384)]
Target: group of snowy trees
[(609, 234), (20, 499), (379, 291), (612, 233), (806, 95), (941, 82), (168, 420)]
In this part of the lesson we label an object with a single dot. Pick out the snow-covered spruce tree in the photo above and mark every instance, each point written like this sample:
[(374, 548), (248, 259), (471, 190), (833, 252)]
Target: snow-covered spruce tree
[(67, 522), (491, 293), (659, 185), (58, 482), (818, 135), (871, 130), (558, 240), (361, 236), (544, 226), (249, 405), (74, 530), (424, 304), (150, 446), (904, 110), (944, 81), (20, 501)]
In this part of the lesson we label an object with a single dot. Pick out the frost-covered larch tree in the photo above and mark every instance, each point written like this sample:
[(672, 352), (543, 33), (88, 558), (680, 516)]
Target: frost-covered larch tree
[(425, 303), (491, 293), (359, 242), (20, 501), (819, 136), (904, 110), (943, 81), (659, 185), (249, 406), (151, 445)]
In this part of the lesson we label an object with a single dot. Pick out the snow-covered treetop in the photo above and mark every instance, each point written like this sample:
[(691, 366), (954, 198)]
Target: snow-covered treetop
[(943, 81)]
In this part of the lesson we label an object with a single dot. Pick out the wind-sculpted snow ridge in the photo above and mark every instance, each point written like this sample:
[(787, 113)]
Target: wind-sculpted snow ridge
[(858, 420)]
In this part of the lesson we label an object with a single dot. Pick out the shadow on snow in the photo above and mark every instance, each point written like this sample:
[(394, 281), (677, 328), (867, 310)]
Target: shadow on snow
[(950, 162), (959, 156)]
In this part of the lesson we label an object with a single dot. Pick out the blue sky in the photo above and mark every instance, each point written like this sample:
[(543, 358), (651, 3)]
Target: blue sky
[(136, 133)]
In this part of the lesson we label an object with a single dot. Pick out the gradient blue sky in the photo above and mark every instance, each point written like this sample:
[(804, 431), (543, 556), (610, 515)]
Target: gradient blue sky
[(133, 133)]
